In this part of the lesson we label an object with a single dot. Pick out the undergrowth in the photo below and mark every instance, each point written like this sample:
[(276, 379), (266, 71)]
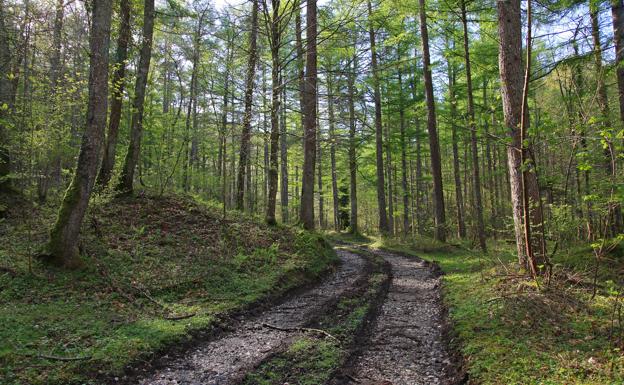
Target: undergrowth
[(158, 270), (511, 332)]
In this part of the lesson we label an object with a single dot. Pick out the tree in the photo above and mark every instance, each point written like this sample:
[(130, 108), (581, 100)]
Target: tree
[(353, 218), (63, 245), (472, 126), (118, 83), (126, 180), (275, 38), (249, 88), (434, 145), (309, 151), (512, 89), (381, 187), (5, 101)]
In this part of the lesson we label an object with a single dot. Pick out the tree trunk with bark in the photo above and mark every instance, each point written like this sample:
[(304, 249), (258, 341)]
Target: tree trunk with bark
[(472, 126), (381, 184), (459, 197), (63, 245), (5, 92), (404, 185), (353, 217), (332, 149), (136, 125), (118, 84), (275, 41), (512, 80), (309, 152), (434, 145), (249, 88)]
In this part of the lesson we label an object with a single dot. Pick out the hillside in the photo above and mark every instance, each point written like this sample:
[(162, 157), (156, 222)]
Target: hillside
[(157, 271)]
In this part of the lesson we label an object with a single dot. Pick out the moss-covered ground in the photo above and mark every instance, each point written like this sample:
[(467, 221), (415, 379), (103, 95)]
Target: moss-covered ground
[(157, 271)]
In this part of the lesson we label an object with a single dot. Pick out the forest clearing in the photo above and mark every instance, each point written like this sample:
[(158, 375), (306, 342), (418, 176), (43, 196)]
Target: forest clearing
[(272, 192)]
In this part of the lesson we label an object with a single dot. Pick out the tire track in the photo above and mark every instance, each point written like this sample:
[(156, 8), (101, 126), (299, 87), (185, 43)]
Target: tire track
[(226, 360), (408, 343)]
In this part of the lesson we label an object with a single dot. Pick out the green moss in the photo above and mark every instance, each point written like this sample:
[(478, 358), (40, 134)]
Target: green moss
[(176, 251)]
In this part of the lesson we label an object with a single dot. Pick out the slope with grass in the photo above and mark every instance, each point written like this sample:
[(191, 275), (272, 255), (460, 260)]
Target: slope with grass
[(159, 270)]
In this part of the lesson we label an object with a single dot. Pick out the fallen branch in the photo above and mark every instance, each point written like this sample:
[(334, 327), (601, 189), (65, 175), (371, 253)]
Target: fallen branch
[(308, 330), (353, 378), (58, 358), (180, 317), (53, 358)]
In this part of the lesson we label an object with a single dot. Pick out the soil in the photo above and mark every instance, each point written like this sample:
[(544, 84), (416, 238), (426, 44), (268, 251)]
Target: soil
[(408, 343), (226, 360), (405, 342)]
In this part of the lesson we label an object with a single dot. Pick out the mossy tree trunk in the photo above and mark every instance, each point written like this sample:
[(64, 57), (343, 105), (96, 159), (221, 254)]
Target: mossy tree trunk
[(63, 246)]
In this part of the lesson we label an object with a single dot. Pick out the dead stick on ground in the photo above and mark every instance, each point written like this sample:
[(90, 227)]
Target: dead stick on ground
[(55, 358), (309, 330), (180, 317)]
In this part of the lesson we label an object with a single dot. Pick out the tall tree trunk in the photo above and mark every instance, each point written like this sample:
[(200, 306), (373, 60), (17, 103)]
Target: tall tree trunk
[(332, 148), (319, 177), (404, 185), (283, 155), (615, 211), (300, 69), (309, 152), (434, 145), (617, 13), (118, 83), (381, 184), (5, 92), (136, 126), (390, 180), (55, 59), (249, 88), (353, 217), (63, 246), (472, 125), (512, 80), (459, 197), (275, 41)]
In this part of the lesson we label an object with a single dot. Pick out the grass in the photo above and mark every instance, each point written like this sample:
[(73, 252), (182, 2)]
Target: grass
[(148, 259), (311, 360), (513, 333)]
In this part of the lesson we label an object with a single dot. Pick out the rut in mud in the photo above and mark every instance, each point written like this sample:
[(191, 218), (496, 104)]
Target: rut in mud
[(408, 343), (227, 359)]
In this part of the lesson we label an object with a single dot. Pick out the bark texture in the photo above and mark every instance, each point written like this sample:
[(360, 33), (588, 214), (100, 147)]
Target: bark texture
[(63, 246), (136, 124), (309, 151), (249, 88), (381, 184), (118, 83), (434, 145)]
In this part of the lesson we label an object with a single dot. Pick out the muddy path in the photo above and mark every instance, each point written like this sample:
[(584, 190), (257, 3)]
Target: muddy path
[(408, 344), (227, 359)]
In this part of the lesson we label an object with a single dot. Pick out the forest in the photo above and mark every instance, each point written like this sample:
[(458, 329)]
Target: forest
[(276, 191)]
